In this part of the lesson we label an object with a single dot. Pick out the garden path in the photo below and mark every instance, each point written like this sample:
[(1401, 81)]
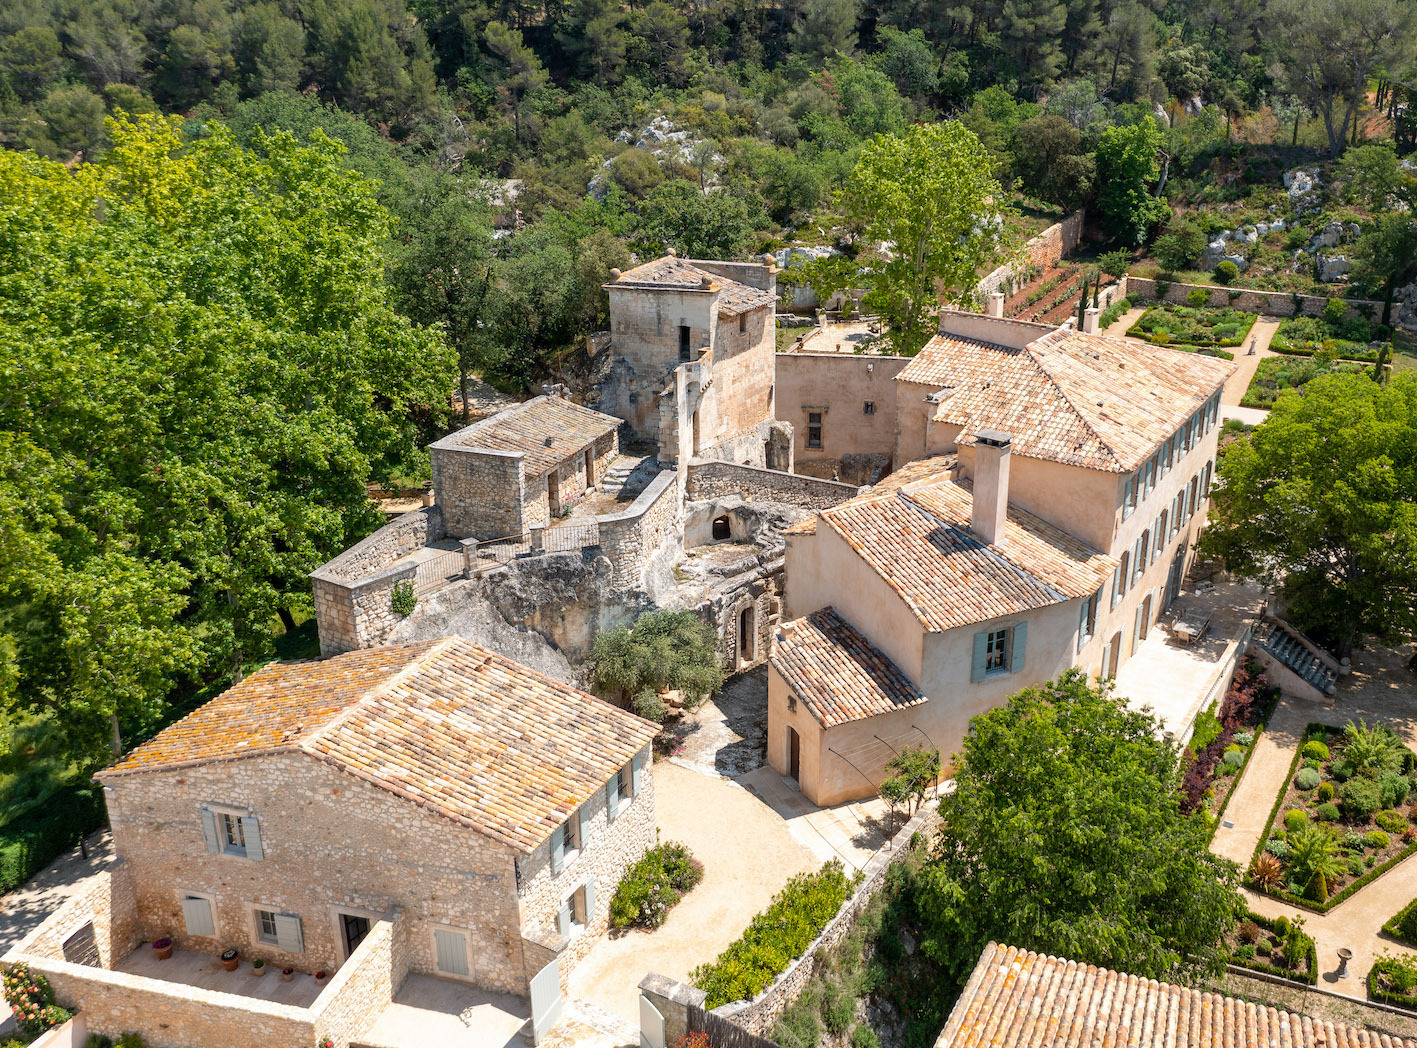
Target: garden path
[(1245, 365), (1379, 689)]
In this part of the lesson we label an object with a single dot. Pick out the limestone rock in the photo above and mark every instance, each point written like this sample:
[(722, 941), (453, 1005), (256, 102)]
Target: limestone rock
[(1331, 267), (1241, 262), (1404, 307)]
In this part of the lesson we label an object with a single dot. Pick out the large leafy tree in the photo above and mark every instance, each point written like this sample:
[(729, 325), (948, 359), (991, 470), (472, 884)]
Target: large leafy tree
[(1126, 169), (1321, 504), (1064, 834), (931, 196), (1386, 255), (662, 650), (200, 373)]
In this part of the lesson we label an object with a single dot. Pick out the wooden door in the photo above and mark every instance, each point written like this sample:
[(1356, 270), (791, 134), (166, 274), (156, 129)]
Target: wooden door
[(794, 753)]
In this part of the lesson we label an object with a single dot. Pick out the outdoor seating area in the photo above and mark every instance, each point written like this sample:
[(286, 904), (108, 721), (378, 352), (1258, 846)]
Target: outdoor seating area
[(206, 972)]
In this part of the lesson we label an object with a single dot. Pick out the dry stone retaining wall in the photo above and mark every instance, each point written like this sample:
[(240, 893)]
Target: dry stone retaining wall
[(712, 480), (630, 538), (1057, 241), (1268, 303)]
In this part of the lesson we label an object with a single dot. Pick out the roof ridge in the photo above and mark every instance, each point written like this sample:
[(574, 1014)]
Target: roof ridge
[(1067, 399)]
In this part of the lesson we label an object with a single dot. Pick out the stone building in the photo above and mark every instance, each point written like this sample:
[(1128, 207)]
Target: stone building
[(692, 345), (1049, 522), (492, 808)]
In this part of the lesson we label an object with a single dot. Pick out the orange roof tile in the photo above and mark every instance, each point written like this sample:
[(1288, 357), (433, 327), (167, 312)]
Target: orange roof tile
[(1018, 997), (547, 430), (671, 273), (838, 673), (917, 538), (1085, 400), (446, 724)]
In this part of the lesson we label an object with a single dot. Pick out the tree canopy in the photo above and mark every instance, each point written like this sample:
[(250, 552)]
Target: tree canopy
[(201, 373), (663, 650), (1064, 834), (1320, 503)]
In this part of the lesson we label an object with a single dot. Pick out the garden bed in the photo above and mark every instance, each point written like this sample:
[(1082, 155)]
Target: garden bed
[(1345, 339), (1336, 825), (653, 886), (1393, 979), (1402, 925), (1204, 329), (1221, 744), (1276, 374), (1264, 944)]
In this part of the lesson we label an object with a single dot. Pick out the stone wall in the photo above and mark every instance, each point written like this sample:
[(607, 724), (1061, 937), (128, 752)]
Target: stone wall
[(609, 850), (630, 538), (760, 1014), (106, 902), (331, 842), (1267, 303), (711, 480), (365, 984), (839, 387), (1057, 241), (484, 494)]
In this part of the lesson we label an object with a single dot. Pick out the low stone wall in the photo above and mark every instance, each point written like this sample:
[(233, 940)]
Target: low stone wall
[(107, 902), (1056, 242), (630, 538), (365, 984), (403, 535), (762, 1013), (712, 480), (1267, 303)]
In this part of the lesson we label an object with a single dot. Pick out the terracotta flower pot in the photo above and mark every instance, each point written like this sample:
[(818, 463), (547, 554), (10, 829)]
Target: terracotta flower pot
[(286, 974), (320, 977), (163, 952), (230, 959)]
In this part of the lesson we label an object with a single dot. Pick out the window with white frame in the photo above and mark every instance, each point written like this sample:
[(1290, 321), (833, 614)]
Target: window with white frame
[(565, 843), (1160, 535), (1139, 556), (1087, 619), (577, 910), (1115, 586), (274, 928), (229, 831), (623, 786)]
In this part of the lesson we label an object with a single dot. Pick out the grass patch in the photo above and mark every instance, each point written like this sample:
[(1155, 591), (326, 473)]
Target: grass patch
[(1274, 375), (1182, 326)]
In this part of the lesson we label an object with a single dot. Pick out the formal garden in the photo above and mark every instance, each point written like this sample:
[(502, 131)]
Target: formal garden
[(1194, 328), (1338, 822), (1334, 334), (1276, 946), (1276, 374), (1222, 742)]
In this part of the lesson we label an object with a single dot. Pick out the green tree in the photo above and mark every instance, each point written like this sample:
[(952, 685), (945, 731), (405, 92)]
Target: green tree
[(1374, 177), (72, 124), (1385, 256), (914, 770), (1064, 834), (664, 650), (678, 214), (930, 193), (30, 60), (910, 61), (524, 71), (1180, 246), (243, 379), (1126, 169), (269, 50), (1052, 162), (1319, 504), (1032, 37), (827, 29)]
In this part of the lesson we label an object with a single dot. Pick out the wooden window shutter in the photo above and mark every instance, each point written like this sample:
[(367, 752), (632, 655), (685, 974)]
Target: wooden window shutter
[(1018, 647), (209, 831), (981, 653), (589, 900), (197, 915), (288, 935), (612, 795), (637, 765), (558, 849), (584, 816), (251, 830), (451, 948), (563, 917)]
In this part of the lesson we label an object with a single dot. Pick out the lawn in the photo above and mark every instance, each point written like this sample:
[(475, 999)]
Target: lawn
[(1276, 374), (1184, 326), (1348, 339), (1337, 823)]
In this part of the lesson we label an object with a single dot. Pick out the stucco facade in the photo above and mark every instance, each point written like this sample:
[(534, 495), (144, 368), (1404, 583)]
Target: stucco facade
[(840, 406)]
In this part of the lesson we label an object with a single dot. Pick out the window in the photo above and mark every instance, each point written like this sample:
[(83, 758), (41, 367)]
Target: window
[(742, 323), (868, 408), (1205, 480), (999, 651), (1160, 534), (1119, 580), (814, 429), (228, 832), (1087, 619), (565, 844), (1152, 472), (683, 341), (1139, 555), (1129, 496), (281, 930), (577, 909), (450, 951), (623, 786), (266, 926), (1167, 451)]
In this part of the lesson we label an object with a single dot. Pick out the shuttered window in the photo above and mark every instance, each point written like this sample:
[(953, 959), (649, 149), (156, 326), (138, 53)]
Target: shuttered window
[(451, 950), (228, 833), (999, 651), (197, 915)]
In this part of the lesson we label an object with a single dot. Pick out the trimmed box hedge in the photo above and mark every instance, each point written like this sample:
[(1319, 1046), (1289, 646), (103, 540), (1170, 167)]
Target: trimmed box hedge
[(1394, 924), (1254, 964)]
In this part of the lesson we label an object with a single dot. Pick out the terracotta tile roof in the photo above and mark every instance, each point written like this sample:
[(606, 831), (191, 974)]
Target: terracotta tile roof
[(838, 673), (1017, 997), (678, 274), (547, 430), (918, 539), (1085, 400), (446, 724)]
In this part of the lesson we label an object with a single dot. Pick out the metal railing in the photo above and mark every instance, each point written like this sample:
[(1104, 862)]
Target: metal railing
[(436, 572), (570, 537)]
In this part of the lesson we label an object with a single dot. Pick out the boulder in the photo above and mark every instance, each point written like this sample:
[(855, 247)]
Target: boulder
[(1331, 235), (1331, 267), (1214, 252), (1241, 263), (1244, 236), (1261, 228), (1404, 307), (1352, 231)]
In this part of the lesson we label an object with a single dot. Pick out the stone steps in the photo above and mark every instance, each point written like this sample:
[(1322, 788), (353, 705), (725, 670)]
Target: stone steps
[(1296, 656)]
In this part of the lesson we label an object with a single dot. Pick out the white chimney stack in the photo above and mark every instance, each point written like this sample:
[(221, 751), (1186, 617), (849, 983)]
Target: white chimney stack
[(1089, 320), (996, 304), (991, 485)]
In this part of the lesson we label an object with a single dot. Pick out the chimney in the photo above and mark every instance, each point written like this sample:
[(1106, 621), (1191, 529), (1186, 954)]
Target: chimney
[(1089, 320), (991, 485), (996, 304)]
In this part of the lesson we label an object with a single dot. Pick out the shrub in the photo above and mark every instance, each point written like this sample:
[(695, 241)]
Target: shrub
[(1391, 821), (402, 599), (1278, 847), (1294, 819), (1226, 271), (1355, 867), (1335, 309), (1327, 812), (801, 1024), (1325, 792), (32, 1001), (653, 885), (1281, 927), (1315, 750), (1197, 297), (780, 933), (1307, 779), (838, 1008), (1244, 953), (1266, 871), (1394, 788), (864, 1037), (1312, 765), (1378, 839), (1233, 758), (1341, 770), (1361, 798), (1399, 973), (1248, 932), (1374, 749)]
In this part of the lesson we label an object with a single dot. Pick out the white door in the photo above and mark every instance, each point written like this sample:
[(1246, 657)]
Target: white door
[(545, 1001), (651, 1025)]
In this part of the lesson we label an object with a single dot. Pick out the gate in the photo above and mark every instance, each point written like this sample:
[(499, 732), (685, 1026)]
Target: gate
[(545, 1000), (651, 1025)]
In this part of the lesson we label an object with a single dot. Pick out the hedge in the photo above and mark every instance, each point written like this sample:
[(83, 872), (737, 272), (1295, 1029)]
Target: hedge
[(777, 936), (1333, 900), (30, 843), (1377, 993), (1254, 964), (1393, 926)]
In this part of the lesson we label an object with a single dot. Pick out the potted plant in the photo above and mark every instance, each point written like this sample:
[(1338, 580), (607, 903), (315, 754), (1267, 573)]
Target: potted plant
[(258, 967), (286, 974), (320, 977), (163, 948), (230, 959)]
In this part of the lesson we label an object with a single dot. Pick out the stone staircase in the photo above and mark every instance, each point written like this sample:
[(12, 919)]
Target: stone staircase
[(1283, 645), (617, 476)]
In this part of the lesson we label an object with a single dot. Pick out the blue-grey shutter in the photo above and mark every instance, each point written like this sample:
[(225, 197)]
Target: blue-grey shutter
[(209, 831), (981, 652), (637, 765), (563, 917), (584, 816), (452, 951), (288, 935), (251, 830), (612, 795), (589, 900), (1018, 647), (197, 915), (558, 850)]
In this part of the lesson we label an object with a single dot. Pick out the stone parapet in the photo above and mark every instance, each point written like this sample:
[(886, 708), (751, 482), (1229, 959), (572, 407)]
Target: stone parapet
[(1056, 242), (1267, 303), (631, 537), (711, 480)]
